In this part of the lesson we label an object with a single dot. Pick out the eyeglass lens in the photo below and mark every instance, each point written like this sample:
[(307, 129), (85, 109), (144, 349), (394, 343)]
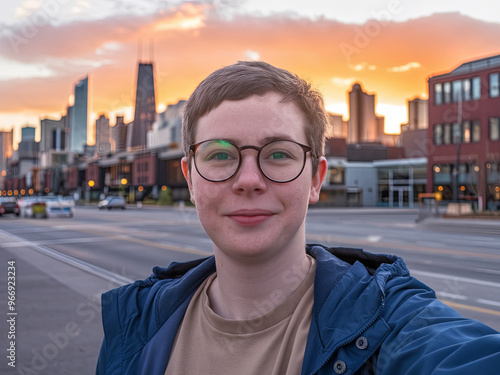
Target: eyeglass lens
[(280, 161)]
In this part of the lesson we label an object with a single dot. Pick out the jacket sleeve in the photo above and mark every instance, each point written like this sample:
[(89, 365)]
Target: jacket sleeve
[(112, 335), (101, 361), (128, 319), (428, 337)]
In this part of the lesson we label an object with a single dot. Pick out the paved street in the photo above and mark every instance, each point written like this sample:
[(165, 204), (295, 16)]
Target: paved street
[(62, 266)]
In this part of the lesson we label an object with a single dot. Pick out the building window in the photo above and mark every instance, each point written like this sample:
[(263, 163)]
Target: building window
[(336, 176), (457, 134), (466, 132), (441, 174), (466, 89), (438, 134), (494, 129), (476, 88), (447, 134), (447, 92), (457, 91), (383, 175), (494, 85), (476, 131), (438, 93)]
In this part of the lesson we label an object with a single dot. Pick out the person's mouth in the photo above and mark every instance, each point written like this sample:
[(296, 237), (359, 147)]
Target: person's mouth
[(250, 217)]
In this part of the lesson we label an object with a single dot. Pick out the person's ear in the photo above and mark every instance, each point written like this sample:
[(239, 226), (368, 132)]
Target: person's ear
[(187, 175), (317, 180)]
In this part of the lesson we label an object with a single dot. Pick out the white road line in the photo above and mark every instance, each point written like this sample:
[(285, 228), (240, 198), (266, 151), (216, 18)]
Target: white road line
[(487, 270), (451, 295), (90, 268), (488, 302), (454, 278), (60, 241)]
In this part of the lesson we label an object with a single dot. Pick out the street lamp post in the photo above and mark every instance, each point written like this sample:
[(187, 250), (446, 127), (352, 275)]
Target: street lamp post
[(458, 137)]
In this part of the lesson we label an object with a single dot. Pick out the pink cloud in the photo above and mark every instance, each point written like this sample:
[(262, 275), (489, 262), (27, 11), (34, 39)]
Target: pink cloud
[(185, 55)]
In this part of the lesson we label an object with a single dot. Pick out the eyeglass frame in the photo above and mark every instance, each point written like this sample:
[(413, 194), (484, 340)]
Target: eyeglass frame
[(306, 149)]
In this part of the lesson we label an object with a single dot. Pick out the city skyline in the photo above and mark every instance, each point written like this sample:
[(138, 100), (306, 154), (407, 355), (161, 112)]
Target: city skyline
[(391, 49)]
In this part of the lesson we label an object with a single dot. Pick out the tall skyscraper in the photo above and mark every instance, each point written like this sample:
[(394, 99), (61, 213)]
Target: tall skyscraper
[(79, 117), (102, 135), (53, 134), (6, 147), (28, 147), (28, 133), (145, 107), (166, 129), (363, 125), (119, 134), (418, 114), (339, 126)]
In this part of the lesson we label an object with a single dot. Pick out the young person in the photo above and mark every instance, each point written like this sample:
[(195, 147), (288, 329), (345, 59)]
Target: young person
[(267, 303)]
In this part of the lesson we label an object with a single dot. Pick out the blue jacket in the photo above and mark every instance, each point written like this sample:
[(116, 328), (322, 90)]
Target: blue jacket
[(369, 317)]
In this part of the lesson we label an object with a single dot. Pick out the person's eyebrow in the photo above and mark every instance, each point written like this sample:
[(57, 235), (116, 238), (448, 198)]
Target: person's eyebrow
[(263, 141), (280, 137)]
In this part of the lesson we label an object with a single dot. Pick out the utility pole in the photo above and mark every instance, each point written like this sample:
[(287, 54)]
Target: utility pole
[(458, 137)]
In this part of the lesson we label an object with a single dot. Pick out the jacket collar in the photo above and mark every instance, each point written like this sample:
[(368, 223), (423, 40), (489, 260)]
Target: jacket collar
[(337, 268), (349, 296)]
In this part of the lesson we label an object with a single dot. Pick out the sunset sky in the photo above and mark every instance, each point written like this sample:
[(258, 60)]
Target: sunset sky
[(391, 47)]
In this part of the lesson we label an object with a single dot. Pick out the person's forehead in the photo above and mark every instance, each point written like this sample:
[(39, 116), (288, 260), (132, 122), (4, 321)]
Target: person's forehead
[(265, 116)]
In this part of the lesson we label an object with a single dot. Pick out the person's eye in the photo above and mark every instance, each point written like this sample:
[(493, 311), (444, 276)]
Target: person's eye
[(219, 155), (278, 155)]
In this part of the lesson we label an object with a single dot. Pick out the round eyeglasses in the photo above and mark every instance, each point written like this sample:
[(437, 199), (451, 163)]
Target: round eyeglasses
[(218, 160)]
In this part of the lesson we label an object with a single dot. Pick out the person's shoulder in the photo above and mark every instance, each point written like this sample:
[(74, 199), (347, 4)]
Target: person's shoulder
[(146, 304), (382, 265), (176, 275), (422, 326)]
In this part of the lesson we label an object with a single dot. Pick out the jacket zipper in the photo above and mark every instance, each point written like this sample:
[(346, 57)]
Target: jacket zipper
[(359, 333)]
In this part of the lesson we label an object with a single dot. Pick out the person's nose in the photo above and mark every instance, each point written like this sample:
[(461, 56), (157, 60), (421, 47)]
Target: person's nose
[(249, 177)]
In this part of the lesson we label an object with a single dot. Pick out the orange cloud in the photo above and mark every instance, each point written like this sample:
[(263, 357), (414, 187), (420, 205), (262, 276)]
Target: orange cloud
[(190, 42), (404, 68), (186, 17)]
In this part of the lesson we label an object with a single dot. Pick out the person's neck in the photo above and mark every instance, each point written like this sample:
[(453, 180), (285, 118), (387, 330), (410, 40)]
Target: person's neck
[(243, 291)]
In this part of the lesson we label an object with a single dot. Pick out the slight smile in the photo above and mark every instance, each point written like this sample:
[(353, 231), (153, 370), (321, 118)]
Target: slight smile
[(250, 217)]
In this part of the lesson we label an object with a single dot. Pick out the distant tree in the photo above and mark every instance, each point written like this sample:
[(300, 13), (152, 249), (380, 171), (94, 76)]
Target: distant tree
[(165, 198)]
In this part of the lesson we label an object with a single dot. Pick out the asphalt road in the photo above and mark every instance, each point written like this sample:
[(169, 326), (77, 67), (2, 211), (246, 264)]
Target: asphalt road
[(62, 266)]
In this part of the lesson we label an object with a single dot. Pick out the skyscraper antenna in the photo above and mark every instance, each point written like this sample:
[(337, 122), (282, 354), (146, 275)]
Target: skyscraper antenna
[(151, 50), (139, 49)]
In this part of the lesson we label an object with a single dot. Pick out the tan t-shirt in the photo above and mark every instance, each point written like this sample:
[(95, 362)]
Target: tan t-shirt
[(273, 343)]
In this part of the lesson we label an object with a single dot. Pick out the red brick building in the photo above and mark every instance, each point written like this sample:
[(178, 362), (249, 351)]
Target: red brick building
[(144, 170), (464, 125)]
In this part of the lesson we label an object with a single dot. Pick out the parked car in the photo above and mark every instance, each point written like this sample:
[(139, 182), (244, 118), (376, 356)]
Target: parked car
[(8, 205), (26, 206), (112, 202), (46, 206), (57, 206)]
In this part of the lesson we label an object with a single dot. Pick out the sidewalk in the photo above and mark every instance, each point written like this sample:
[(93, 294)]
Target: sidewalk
[(58, 323)]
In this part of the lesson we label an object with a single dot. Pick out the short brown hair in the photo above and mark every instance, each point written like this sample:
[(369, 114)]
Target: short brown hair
[(246, 78)]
